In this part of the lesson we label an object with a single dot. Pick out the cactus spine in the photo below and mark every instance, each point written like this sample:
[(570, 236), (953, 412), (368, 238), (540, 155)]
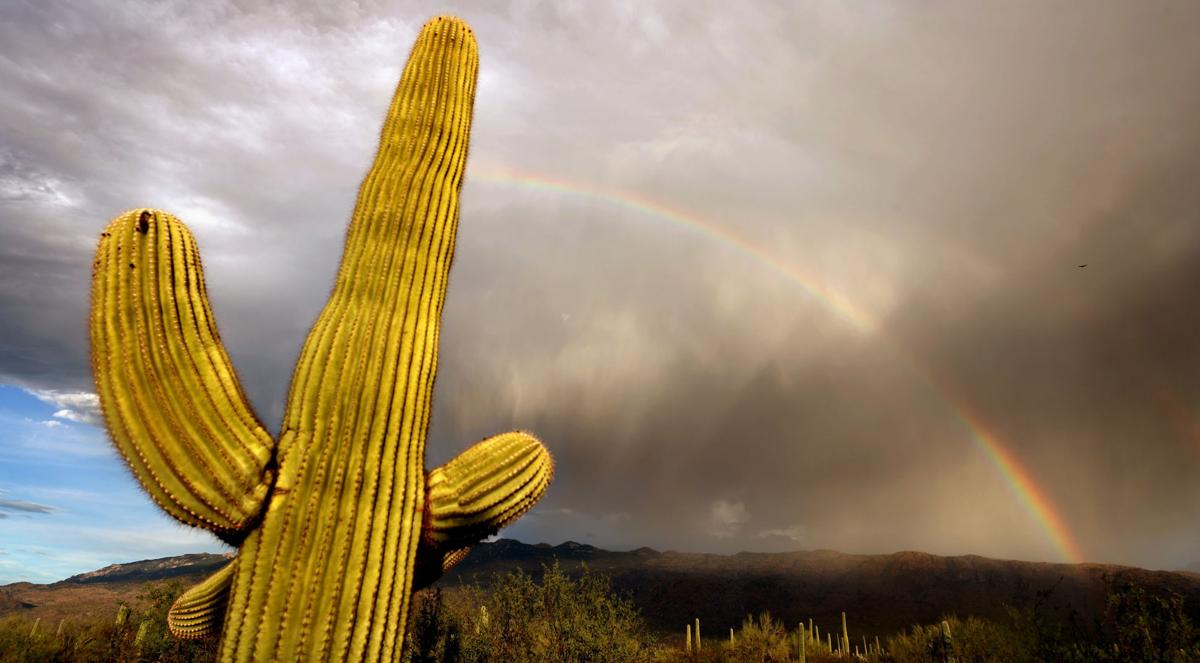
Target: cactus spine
[(337, 521)]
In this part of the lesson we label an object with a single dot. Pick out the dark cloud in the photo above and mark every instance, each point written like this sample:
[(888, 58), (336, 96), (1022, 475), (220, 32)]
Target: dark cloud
[(942, 167)]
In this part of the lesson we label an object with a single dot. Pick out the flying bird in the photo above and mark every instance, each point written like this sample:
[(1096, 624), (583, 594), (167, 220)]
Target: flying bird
[(1083, 265)]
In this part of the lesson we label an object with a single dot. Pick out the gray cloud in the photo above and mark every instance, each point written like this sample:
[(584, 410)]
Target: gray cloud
[(24, 507), (939, 167)]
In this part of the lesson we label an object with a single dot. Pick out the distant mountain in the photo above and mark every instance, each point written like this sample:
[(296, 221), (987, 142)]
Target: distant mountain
[(154, 569), (98, 593), (879, 593)]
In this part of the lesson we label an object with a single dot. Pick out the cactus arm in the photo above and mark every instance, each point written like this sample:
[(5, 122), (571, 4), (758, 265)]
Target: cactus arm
[(480, 491), (171, 400), (485, 488), (434, 561), (198, 612)]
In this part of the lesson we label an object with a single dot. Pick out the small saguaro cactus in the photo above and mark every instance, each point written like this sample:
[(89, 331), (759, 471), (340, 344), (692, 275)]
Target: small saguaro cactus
[(140, 638), (845, 635), (945, 643), (337, 521)]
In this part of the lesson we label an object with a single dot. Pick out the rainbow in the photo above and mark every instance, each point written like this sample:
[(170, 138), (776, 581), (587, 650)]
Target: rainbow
[(1018, 478)]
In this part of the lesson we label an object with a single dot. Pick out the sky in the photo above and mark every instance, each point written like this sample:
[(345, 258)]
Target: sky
[(762, 276)]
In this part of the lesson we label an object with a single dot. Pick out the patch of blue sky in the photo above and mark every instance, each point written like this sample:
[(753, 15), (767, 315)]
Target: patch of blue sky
[(68, 504)]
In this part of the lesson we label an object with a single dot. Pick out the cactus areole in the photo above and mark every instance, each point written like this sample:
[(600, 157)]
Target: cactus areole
[(337, 521)]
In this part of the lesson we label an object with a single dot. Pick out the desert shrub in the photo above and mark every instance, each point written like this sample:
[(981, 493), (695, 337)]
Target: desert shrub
[(520, 620), (1148, 627), (1137, 625), (102, 639), (762, 641), (972, 640)]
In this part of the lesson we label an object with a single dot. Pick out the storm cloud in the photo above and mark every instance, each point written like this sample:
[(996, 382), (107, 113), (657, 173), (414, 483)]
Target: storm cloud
[(898, 198)]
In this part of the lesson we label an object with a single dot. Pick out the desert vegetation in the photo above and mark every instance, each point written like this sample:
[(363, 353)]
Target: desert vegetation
[(559, 616), (137, 633)]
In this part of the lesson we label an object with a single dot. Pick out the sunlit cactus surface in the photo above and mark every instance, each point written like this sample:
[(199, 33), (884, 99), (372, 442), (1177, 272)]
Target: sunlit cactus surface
[(336, 520)]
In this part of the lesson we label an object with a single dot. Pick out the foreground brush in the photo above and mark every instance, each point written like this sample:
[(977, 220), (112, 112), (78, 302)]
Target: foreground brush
[(337, 522)]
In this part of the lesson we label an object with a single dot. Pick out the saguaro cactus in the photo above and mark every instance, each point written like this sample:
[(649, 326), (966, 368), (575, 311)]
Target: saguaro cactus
[(337, 522), (845, 640)]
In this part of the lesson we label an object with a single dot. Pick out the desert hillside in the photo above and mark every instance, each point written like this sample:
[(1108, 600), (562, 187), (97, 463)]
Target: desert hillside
[(880, 593)]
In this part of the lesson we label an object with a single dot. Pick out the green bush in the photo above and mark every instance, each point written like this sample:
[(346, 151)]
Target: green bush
[(519, 620), (972, 640), (764, 641)]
